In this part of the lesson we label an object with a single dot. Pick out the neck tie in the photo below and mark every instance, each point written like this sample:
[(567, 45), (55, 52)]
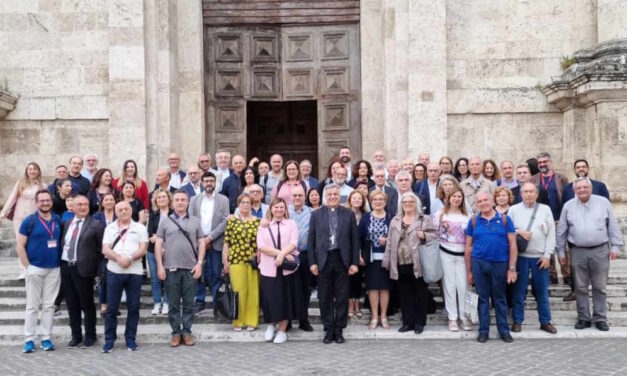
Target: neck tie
[(278, 235), (71, 256)]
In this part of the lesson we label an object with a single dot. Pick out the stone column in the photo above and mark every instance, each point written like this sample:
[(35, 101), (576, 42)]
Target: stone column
[(127, 84), (611, 20)]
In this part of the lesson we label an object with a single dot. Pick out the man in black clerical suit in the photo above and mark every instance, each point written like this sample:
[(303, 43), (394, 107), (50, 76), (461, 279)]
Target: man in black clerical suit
[(333, 255), (81, 245)]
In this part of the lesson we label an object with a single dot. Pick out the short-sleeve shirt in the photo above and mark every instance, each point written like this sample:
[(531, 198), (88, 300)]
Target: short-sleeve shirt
[(40, 253), (126, 246), (490, 241), (177, 252), (241, 237)]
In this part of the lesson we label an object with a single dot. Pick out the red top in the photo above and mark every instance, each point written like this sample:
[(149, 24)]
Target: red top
[(141, 193)]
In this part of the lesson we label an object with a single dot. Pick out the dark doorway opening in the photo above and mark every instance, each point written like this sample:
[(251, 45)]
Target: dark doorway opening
[(286, 128)]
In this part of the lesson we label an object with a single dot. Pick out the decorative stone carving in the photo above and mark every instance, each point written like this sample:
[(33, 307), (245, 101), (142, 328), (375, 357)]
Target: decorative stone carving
[(299, 48), (333, 147), (335, 46), (229, 118), (335, 117), (299, 82), (264, 48), (229, 83), (335, 80), (228, 47), (7, 103), (265, 83)]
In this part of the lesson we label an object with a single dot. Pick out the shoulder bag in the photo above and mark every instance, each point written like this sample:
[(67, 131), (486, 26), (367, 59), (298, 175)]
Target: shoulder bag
[(287, 264), (202, 267), (521, 242)]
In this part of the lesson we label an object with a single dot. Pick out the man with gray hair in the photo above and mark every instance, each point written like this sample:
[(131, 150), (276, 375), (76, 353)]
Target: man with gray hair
[(91, 166), (392, 169), (222, 171), (588, 225), (475, 183)]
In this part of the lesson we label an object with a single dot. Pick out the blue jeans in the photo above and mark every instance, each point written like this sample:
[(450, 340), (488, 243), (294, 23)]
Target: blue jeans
[(490, 280), (156, 284), (116, 283), (540, 281), (213, 275)]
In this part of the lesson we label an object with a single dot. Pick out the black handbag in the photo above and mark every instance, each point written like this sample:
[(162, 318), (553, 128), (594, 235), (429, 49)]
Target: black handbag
[(521, 242), (289, 265), (226, 300)]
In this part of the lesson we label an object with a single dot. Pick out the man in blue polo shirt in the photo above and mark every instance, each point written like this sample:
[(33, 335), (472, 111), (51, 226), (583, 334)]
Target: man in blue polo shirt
[(38, 250), (491, 262)]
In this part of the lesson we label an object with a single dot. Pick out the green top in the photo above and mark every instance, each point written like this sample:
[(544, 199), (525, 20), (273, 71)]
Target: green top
[(242, 239)]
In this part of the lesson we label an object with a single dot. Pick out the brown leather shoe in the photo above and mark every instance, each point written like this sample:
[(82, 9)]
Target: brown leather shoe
[(549, 328), (188, 340), (516, 328), (570, 297), (175, 341)]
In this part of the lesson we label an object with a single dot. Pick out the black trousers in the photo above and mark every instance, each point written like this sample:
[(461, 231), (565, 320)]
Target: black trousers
[(413, 297), (333, 289), (305, 279), (79, 297)]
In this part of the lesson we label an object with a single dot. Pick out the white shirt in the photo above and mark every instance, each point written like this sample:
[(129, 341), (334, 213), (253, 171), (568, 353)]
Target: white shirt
[(175, 179), (127, 245), (68, 239), (433, 190), (206, 212), (221, 176)]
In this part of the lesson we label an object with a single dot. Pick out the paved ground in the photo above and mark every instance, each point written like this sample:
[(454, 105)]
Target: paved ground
[(365, 357)]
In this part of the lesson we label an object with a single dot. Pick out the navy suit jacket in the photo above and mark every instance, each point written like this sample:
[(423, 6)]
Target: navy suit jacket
[(598, 188), (422, 190), (230, 189), (391, 206), (347, 237), (190, 189), (313, 182)]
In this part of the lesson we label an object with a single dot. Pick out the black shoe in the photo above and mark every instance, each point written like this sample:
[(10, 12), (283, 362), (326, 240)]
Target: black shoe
[(329, 336), (570, 297), (507, 338), (89, 341), (405, 328), (305, 326), (74, 343), (199, 307), (602, 326), (339, 338), (419, 329), (482, 338), (582, 324)]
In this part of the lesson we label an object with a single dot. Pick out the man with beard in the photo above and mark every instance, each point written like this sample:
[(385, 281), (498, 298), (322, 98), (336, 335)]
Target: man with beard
[(345, 158), (212, 209), (581, 170), (340, 181)]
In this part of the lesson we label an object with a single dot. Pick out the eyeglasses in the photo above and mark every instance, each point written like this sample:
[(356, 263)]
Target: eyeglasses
[(253, 192), (204, 161), (297, 195), (245, 203)]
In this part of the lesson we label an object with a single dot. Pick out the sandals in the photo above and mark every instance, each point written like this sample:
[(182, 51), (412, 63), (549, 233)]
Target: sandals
[(351, 314), (373, 324), (385, 323), (358, 314)]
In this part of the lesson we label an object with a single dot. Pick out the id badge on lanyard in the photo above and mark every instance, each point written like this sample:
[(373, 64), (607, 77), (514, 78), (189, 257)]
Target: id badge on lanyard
[(52, 242)]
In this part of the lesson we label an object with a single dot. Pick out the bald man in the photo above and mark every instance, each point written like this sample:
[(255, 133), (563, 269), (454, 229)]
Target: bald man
[(176, 174), (475, 183), (162, 181), (193, 186), (231, 186)]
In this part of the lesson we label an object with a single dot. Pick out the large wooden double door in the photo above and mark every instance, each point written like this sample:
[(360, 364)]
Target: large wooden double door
[(253, 76)]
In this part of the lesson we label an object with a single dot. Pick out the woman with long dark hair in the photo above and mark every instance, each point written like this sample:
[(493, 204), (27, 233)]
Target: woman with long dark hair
[(130, 173), (100, 185)]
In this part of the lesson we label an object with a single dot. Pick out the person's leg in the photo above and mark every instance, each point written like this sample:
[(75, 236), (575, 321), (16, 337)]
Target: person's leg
[(341, 293), (239, 282), (51, 286), (155, 282), (449, 285), (540, 281), (114, 295), (34, 280), (70, 285), (102, 285), (421, 298), (374, 298), (498, 280), (86, 296), (461, 284), (172, 288), (520, 289), (251, 318), (133, 295), (482, 285), (405, 294), (325, 296), (216, 271), (599, 270), (384, 301), (188, 287), (305, 277), (579, 260)]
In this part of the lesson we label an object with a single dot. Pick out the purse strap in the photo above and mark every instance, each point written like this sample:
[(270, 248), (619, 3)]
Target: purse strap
[(533, 216)]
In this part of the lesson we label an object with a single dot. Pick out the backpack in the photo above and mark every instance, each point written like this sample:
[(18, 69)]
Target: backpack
[(474, 220)]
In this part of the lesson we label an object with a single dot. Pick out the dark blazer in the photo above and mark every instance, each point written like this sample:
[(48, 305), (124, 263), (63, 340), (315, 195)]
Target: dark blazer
[(422, 190), (391, 206), (94, 200), (230, 189), (366, 244), (88, 246), (154, 217), (347, 237), (313, 182), (598, 188), (100, 217), (190, 189), (353, 183)]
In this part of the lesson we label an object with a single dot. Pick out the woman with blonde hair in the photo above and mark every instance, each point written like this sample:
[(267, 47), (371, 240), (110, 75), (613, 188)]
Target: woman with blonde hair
[(503, 198), (446, 185), (21, 201), (161, 209)]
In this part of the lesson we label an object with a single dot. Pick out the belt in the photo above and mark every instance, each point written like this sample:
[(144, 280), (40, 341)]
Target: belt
[(451, 252), (69, 263), (571, 245)]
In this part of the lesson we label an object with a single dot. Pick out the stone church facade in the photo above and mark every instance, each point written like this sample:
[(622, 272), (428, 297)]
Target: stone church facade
[(138, 79)]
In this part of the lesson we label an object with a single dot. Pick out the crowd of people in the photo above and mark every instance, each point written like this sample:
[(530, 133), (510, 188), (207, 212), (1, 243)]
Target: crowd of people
[(277, 233)]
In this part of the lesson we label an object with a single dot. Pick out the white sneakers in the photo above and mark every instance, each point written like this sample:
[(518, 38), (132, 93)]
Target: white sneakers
[(270, 333), (452, 326), (164, 309), (156, 309), (280, 337)]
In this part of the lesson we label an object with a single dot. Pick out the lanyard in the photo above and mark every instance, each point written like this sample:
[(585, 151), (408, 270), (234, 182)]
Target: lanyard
[(123, 234), (48, 230), (545, 184)]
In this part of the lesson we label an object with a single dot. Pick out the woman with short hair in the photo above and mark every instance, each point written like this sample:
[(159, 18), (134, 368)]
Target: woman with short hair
[(313, 199), (362, 173), (503, 198), (128, 194), (161, 209)]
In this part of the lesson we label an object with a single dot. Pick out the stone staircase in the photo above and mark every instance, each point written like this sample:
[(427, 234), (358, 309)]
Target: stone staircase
[(7, 238)]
